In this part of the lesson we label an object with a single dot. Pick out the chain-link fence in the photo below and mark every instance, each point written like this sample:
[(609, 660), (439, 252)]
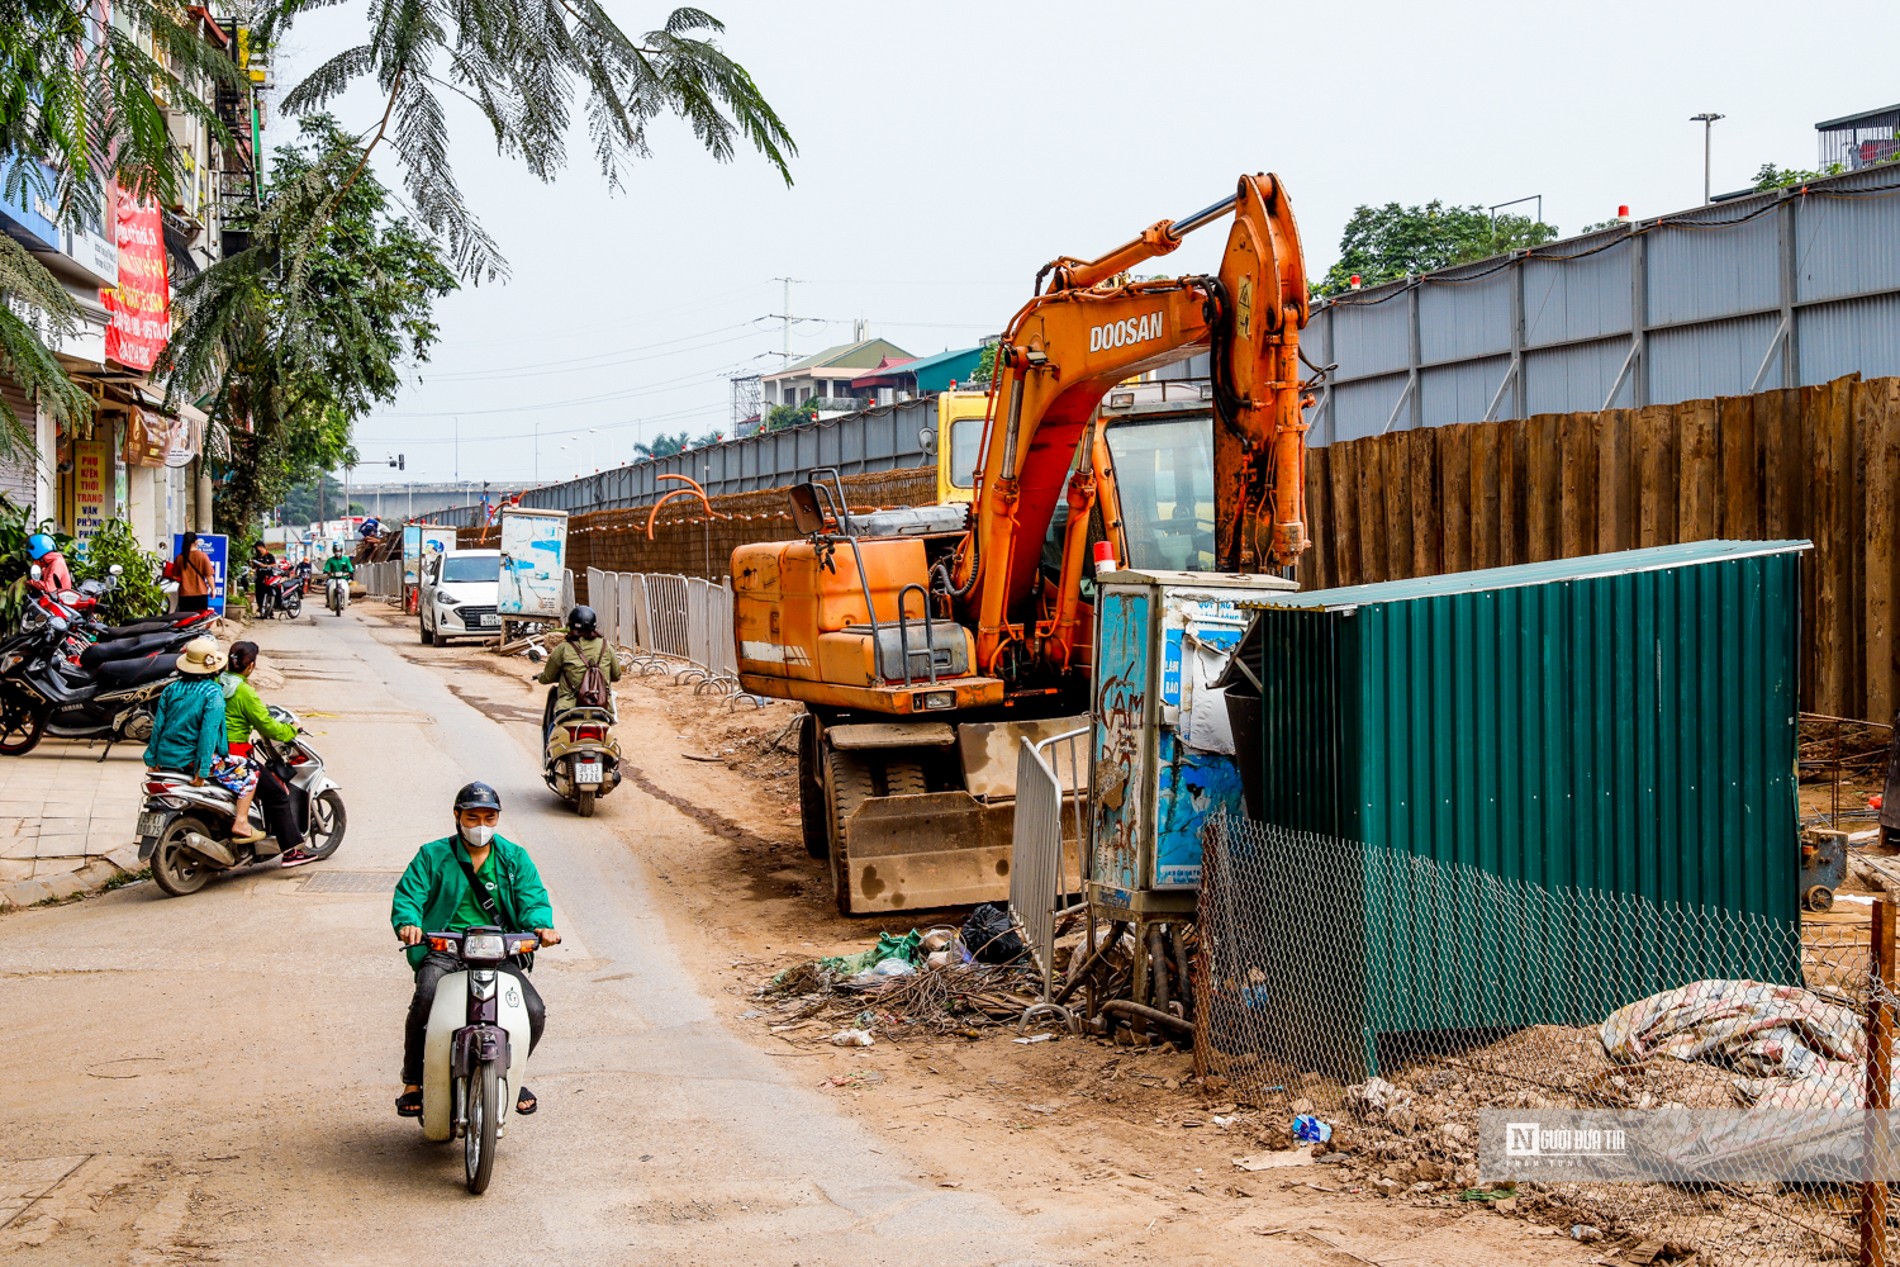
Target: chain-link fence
[(1424, 1010)]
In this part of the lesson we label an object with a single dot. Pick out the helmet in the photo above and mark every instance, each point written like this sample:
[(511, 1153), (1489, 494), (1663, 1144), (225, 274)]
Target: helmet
[(582, 620), (477, 796), (39, 545), (337, 549)]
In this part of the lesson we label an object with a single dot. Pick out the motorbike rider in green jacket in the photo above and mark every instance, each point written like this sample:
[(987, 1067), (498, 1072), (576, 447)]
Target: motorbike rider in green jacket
[(434, 894)]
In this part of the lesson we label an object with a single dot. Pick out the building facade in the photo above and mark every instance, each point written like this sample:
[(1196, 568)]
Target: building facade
[(132, 459)]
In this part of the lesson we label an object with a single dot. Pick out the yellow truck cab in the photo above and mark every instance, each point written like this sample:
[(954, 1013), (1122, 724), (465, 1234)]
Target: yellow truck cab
[(959, 443)]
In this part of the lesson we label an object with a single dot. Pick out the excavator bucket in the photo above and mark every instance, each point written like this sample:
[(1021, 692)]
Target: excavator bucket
[(905, 853)]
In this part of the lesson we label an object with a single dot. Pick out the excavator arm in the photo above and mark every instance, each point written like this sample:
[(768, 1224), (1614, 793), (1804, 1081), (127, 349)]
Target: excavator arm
[(1085, 333)]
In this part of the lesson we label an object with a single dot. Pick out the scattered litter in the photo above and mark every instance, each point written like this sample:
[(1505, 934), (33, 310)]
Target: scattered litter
[(1585, 1233), (1224, 1120), (1036, 1038), (894, 968), (991, 936), (852, 1038), (1310, 1129), (1276, 1160)]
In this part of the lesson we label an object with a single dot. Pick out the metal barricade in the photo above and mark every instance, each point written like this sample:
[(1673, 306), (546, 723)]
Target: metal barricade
[(1036, 881)]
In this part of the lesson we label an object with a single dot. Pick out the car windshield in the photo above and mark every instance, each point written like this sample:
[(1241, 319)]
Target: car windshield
[(468, 569), (1164, 474)]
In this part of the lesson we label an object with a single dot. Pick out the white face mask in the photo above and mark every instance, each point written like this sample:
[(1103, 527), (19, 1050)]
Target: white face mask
[(478, 837)]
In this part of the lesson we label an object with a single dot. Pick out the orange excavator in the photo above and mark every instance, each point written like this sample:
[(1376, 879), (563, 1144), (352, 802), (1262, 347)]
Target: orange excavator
[(927, 642)]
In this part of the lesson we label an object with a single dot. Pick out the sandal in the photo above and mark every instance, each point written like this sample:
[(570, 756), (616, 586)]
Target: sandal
[(409, 1104), (297, 856), (525, 1103)]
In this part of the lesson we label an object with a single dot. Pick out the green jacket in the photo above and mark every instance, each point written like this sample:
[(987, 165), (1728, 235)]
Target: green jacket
[(188, 728), (244, 713), (569, 663), (432, 888), (338, 564)]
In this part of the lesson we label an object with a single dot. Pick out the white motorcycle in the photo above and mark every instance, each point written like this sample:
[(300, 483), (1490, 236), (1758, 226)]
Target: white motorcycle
[(476, 1054), (339, 594), (185, 831)]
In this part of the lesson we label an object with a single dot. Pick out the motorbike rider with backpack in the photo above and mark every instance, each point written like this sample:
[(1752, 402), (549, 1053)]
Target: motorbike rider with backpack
[(580, 668), (474, 878)]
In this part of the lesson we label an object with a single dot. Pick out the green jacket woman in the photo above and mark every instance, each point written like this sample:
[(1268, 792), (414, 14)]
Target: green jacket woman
[(188, 728)]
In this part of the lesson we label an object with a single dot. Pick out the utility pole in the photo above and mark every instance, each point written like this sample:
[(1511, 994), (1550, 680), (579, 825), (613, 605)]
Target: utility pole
[(785, 322), (1707, 120)]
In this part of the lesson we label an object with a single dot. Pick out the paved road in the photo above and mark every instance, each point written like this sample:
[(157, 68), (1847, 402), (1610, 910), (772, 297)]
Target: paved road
[(210, 1079)]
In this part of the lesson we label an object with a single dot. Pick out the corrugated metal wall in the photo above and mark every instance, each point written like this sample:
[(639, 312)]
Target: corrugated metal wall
[(1619, 725), (1782, 289), (1623, 722)]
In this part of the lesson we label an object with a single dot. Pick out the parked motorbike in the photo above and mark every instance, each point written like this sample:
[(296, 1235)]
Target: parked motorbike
[(45, 691), (338, 596), (476, 1055), (286, 594), (580, 758), (185, 831)]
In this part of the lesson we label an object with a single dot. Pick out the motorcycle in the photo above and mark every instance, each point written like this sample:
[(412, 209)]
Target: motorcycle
[(338, 595), (185, 830), (286, 594), (45, 691), (580, 758), (476, 1054)]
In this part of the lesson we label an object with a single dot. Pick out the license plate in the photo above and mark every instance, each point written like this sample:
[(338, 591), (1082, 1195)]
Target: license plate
[(587, 771), (490, 619), (151, 823)]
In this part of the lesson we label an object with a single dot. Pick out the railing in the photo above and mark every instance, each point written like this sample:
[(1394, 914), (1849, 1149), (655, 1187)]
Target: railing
[(382, 580), (679, 625), (1036, 888)]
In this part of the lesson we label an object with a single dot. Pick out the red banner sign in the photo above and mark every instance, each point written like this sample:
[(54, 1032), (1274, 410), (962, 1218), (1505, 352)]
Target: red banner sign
[(141, 306)]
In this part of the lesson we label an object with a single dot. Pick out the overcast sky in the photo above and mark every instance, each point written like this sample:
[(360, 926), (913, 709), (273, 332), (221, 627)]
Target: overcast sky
[(948, 150)]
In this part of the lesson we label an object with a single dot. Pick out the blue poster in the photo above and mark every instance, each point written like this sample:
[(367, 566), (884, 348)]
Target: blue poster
[(217, 548)]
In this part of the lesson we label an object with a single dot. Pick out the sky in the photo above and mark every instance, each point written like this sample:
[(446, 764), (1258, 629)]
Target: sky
[(946, 151)]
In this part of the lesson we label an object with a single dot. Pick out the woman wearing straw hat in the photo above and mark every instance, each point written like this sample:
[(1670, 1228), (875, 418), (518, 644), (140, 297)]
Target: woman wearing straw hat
[(188, 733)]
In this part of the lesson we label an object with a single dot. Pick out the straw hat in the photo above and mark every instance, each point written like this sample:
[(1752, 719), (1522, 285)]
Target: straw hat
[(202, 657)]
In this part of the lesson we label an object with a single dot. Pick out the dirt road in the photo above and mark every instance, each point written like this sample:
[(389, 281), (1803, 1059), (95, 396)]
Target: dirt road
[(210, 1079)]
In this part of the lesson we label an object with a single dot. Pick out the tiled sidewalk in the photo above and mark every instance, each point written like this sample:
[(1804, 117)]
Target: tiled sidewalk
[(62, 812)]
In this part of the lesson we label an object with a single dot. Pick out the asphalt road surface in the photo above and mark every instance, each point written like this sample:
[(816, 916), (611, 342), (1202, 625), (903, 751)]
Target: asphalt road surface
[(210, 1079)]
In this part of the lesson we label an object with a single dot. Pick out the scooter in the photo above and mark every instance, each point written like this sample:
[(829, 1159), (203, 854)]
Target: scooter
[(580, 758), (44, 691), (476, 1054), (185, 831), (338, 596), (286, 592)]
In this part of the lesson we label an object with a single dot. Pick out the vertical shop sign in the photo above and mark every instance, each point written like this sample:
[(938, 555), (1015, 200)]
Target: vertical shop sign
[(141, 305), (89, 489)]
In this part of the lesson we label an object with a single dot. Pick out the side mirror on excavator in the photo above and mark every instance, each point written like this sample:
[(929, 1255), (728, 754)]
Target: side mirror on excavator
[(807, 516), (927, 441)]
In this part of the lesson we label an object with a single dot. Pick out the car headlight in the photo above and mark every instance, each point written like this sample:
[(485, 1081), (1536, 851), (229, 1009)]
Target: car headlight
[(445, 600), (483, 946)]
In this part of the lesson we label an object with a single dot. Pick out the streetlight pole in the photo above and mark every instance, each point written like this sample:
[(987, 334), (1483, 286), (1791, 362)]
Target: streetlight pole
[(458, 448), (537, 453), (1707, 119)]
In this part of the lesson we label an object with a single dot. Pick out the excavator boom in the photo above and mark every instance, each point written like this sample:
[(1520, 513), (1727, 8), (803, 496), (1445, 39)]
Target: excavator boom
[(1069, 345)]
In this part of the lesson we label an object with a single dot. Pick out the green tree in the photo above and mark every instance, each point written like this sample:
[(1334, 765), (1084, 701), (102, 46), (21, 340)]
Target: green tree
[(83, 97), (297, 337), (525, 64), (1768, 176), (779, 417), (1384, 244)]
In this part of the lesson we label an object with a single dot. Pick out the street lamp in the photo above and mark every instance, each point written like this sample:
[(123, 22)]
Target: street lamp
[(1707, 120)]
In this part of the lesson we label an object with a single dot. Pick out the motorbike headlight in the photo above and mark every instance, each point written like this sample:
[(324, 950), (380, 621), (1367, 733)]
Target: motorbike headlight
[(9, 661), (483, 946)]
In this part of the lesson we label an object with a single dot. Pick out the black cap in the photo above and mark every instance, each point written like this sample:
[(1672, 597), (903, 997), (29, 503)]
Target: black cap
[(477, 796), (582, 618)]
